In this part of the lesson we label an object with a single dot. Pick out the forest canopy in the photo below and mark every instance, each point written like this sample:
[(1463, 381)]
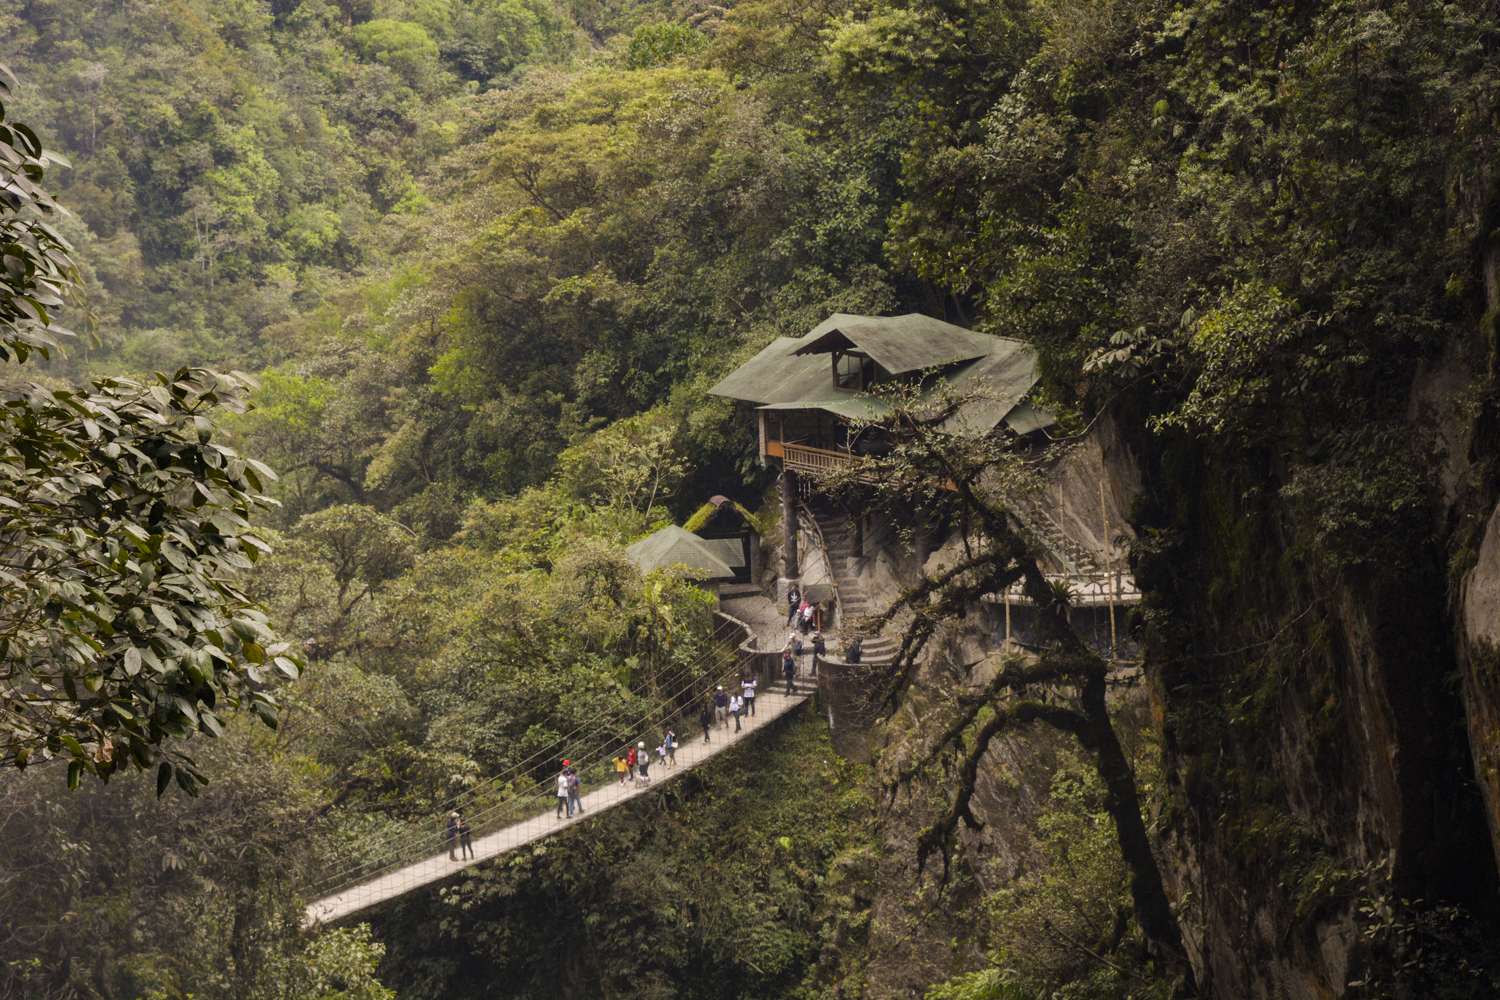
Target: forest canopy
[(482, 260)]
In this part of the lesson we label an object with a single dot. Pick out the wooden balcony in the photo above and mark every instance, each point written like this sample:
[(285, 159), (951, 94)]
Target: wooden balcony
[(801, 458)]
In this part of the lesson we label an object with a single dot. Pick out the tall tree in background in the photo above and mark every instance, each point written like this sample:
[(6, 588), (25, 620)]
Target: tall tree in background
[(122, 526)]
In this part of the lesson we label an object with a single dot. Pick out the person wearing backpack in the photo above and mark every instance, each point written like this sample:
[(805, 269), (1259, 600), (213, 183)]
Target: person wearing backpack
[(643, 763), (575, 789)]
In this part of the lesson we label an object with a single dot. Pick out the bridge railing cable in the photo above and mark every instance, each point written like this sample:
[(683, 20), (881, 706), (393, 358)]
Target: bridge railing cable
[(531, 803), (405, 846), (554, 749)]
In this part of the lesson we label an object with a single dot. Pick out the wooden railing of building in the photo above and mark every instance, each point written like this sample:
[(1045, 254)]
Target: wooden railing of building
[(805, 459)]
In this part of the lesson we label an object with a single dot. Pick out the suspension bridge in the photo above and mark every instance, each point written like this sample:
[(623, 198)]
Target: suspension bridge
[(519, 806), (692, 751)]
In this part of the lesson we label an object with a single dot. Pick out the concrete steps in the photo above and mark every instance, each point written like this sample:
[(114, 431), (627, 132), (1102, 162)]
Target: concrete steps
[(838, 536)]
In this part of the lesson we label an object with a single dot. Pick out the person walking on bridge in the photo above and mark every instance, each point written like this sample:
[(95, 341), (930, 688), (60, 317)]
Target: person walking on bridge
[(575, 788), (736, 709), (788, 670), (705, 719), (643, 763), (671, 744), (747, 687), (631, 760), (465, 845), (450, 834), (562, 794), (721, 708)]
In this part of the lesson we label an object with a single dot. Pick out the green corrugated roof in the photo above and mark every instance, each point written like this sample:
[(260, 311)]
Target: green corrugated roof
[(776, 376), (901, 343), (781, 379), (673, 545), (1027, 418), (730, 550)]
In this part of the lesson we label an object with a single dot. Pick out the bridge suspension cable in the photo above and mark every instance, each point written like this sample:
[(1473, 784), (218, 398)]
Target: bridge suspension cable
[(399, 846)]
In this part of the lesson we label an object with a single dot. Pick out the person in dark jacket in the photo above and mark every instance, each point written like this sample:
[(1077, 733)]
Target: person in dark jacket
[(854, 651), (820, 648), (788, 670), (450, 834), (721, 707), (706, 720), (575, 789), (793, 604), (465, 845)]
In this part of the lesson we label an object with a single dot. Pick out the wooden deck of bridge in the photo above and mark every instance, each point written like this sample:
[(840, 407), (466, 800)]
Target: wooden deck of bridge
[(691, 752)]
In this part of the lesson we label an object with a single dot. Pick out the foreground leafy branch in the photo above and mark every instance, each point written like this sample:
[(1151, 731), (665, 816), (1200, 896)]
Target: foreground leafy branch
[(122, 526)]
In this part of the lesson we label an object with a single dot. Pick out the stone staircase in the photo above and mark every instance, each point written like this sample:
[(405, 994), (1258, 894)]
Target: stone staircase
[(838, 534)]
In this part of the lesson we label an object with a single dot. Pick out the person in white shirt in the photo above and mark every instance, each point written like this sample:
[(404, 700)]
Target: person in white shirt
[(747, 685), (736, 709)]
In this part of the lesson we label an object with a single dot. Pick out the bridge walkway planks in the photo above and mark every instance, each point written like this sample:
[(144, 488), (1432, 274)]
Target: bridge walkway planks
[(691, 752)]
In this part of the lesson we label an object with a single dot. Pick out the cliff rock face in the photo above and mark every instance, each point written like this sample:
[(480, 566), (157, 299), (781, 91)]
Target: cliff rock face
[(1318, 747), (1481, 661), (1318, 753)]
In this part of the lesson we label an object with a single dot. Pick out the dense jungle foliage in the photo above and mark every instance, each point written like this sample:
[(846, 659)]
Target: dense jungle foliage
[(484, 258)]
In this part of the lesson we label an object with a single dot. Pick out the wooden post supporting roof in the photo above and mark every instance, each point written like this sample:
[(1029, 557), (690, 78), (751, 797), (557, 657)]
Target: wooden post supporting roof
[(789, 520)]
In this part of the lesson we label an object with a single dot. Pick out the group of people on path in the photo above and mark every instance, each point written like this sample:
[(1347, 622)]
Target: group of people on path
[(725, 705), (799, 613), (457, 834), (633, 765)]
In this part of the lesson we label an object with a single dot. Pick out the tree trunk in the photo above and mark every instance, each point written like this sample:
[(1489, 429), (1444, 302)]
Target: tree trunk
[(1153, 910)]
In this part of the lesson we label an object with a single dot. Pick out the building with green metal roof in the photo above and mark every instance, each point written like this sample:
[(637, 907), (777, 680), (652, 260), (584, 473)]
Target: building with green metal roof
[(807, 389)]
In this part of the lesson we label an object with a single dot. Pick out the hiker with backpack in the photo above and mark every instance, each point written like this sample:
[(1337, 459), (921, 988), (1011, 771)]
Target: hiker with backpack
[(643, 763), (575, 788)]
